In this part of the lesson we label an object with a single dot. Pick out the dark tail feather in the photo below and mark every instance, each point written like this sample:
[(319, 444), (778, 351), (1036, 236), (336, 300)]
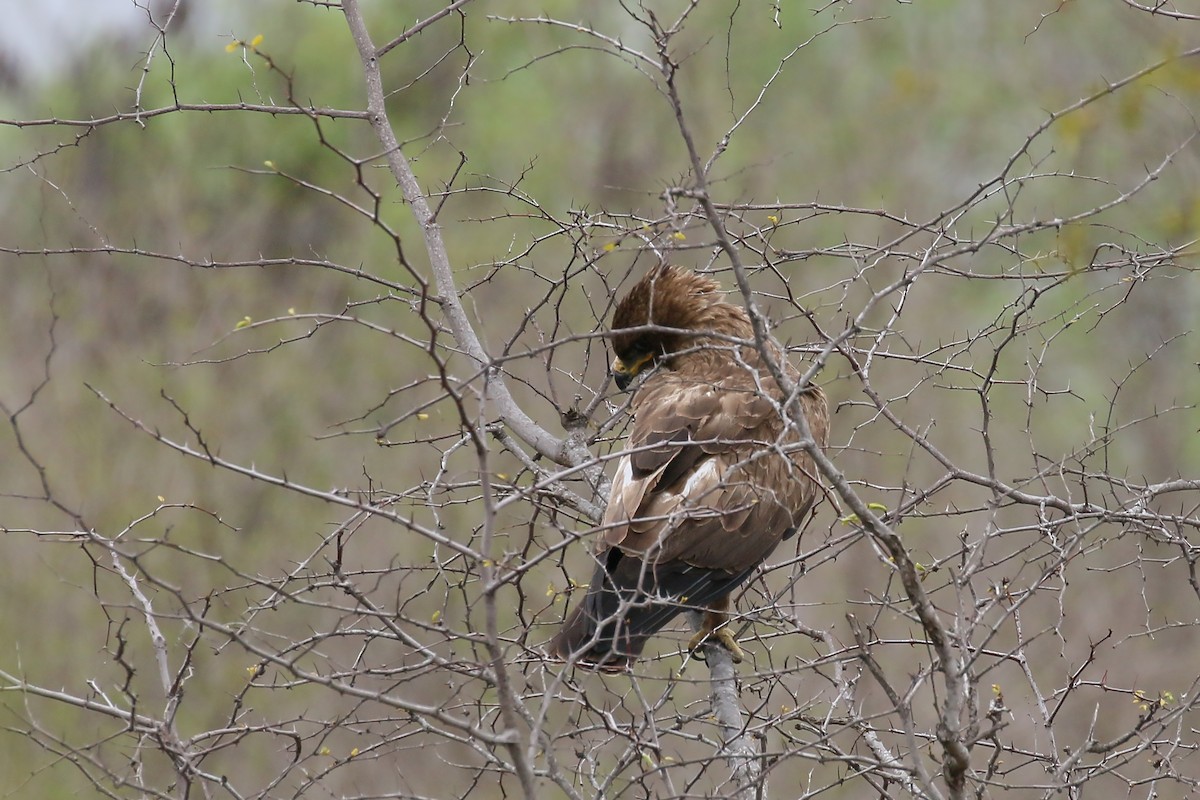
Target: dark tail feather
[(627, 603), (601, 634)]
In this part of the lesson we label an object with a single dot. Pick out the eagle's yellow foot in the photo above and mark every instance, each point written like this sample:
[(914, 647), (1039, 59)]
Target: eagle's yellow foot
[(723, 636)]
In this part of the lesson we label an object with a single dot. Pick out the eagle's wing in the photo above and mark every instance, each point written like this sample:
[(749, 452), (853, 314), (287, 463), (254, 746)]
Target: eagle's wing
[(700, 481)]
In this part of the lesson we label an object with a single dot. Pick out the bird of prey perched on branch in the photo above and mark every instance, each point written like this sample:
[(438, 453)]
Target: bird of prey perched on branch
[(712, 478)]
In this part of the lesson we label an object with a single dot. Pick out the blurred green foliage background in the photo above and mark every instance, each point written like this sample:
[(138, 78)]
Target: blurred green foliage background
[(900, 107)]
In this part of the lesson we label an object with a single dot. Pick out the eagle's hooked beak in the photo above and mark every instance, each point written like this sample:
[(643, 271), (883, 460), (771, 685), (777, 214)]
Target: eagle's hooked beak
[(623, 374)]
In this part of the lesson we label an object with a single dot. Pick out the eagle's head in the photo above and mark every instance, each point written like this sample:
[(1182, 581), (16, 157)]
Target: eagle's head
[(667, 297)]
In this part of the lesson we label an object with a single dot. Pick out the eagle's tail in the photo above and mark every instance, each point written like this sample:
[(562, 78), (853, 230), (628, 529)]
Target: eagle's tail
[(608, 630), (628, 602)]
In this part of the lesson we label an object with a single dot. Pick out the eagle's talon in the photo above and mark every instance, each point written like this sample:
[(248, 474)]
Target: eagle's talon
[(723, 637)]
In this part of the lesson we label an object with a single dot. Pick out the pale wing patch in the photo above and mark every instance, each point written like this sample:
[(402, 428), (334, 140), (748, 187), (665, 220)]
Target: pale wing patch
[(704, 478), (663, 511), (700, 482), (623, 501), (620, 484)]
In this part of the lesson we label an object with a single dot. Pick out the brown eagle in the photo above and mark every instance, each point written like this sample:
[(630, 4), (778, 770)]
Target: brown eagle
[(712, 477)]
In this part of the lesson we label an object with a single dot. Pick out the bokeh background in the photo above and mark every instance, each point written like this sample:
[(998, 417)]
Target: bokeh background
[(204, 272)]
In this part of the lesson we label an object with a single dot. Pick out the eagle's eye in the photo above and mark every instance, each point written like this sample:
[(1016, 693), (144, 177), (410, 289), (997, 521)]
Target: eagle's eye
[(640, 348)]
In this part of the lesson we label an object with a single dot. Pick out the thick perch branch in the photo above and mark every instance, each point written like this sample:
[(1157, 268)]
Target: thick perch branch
[(739, 751), (495, 389), (570, 451)]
